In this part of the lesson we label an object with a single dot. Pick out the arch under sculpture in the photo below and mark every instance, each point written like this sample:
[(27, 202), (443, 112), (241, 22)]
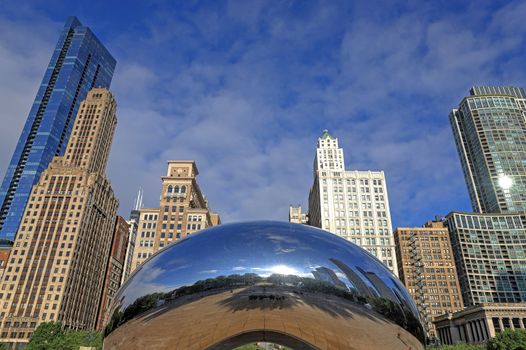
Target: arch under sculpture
[(290, 284)]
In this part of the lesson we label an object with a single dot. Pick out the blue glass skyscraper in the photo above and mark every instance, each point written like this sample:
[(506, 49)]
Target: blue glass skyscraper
[(79, 63)]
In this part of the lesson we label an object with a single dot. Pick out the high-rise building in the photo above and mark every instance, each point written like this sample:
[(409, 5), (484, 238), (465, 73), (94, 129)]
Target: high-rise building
[(133, 224), (79, 63), (114, 269), (296, 215), (57, 266), (352, 204), (427, 268), (490, 256), (490, 134), (182, 210)]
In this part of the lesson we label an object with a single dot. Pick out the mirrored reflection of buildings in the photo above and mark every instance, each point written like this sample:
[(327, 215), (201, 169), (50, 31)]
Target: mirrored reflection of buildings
[(489, 245), (183, 210), (351, 204), (296, 268), (426, 267), (79, 63), (57, 267)]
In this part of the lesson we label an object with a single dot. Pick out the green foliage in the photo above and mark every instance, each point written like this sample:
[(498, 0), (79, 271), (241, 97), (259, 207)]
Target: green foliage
[(462, 346), (508, 340), (51, 336), (249, 347), (3, 346)]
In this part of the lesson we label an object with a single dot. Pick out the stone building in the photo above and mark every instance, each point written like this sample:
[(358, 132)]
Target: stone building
[(350, 203), (57, 266), (182, 210), (476, 324)]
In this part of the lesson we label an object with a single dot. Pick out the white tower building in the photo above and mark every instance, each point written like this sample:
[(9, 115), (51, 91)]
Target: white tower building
[(351, 204)]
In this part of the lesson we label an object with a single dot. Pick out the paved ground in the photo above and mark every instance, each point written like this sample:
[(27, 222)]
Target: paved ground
[(324, 322)]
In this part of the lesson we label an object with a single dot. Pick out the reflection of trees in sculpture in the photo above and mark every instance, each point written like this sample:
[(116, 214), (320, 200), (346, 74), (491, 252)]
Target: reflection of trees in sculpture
[(398, 314), (142, 304)]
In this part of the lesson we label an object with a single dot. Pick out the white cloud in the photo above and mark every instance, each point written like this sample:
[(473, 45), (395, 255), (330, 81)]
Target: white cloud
[(246, 93)]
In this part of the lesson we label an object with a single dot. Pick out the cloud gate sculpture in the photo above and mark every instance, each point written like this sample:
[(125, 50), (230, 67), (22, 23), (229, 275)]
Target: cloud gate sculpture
[(290, 284)]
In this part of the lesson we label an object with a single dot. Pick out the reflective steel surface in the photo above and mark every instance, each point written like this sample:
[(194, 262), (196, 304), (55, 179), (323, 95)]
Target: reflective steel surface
[(286, 283)]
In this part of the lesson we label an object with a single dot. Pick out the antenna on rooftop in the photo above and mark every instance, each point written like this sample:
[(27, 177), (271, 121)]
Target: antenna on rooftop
[(138, 201)]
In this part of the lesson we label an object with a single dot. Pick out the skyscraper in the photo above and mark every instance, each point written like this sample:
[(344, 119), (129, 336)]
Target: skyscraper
[(79, 63), (427, 268), (490, 134), (182, 210), (57, 266), (352, 204)]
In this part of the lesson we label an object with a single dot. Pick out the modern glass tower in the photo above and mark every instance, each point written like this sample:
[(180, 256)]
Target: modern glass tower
[(490, 133), (79, 63)]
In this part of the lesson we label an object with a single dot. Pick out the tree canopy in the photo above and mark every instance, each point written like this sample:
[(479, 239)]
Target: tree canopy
[(51, 336)]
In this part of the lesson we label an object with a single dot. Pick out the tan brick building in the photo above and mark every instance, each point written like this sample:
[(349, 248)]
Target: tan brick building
[(426, 266), (296, 215), (182, 210), (57, 265), (115, 268)]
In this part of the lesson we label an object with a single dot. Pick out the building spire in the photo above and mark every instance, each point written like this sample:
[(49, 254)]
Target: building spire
[(138, 201), (326, 135)]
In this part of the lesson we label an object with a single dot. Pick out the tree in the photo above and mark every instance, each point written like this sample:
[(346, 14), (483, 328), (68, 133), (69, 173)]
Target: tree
[(45, 335), (51, 336), (462, 346), (3, 346), (508, 340)]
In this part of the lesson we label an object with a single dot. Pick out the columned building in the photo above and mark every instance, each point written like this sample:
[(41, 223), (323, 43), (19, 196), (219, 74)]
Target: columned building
[(427, 268), (182, 210), (351, 204), (57, 266), (477, 324), (79, 63)]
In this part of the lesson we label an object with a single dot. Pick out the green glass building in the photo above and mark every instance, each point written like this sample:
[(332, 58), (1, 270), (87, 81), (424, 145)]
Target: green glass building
[(490, 133)]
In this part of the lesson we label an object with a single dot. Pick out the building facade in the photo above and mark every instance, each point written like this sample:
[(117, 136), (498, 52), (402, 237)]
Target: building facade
[(79, 63), (351, 204), (297, 216), (490, 255), (477, 324), (57, 266), (133, 226), (426, 267), (490, 134), (182, 210), (114, 269)]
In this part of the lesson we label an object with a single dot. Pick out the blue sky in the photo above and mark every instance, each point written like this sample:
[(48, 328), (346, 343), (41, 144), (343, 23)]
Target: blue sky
[(246, 87)]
